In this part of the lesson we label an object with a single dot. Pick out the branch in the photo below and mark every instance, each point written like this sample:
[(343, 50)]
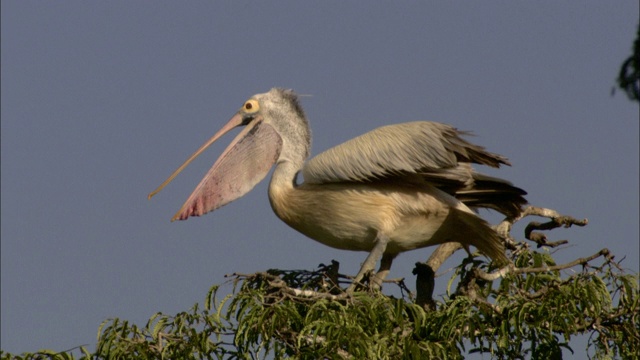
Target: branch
[(426, 273), (557, 220), (514, 270)]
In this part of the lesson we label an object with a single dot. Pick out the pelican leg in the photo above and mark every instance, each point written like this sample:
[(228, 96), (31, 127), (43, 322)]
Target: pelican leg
[(371, 260), (383, 271)]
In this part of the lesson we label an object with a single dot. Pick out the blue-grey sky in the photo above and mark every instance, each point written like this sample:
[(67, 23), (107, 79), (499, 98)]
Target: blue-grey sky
[(101, 101)]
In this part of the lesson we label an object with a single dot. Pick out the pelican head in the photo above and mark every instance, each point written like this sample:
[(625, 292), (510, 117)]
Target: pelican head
[(275, 130)]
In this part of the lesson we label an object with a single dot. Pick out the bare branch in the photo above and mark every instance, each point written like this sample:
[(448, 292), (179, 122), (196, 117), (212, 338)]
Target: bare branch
[(513, 270), (426, 273), (441, 254), (425, 284), (557, 220)]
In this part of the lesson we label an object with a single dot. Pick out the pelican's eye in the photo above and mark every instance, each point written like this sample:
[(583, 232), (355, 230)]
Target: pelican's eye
[(251, 106)]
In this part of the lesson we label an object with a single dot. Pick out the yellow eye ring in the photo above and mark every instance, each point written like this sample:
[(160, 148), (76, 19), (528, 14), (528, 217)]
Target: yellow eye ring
[(251, 106)]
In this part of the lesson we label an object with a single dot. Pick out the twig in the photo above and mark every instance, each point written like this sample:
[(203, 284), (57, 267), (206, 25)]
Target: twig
[(557, 220), (513, 270)]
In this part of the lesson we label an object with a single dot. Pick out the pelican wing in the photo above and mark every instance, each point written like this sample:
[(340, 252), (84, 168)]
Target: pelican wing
[(429, 149)]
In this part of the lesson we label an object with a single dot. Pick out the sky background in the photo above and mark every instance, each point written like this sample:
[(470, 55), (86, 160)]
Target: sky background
[(101, 101)]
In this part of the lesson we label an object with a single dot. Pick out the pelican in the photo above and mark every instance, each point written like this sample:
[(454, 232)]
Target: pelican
[(396, 188)]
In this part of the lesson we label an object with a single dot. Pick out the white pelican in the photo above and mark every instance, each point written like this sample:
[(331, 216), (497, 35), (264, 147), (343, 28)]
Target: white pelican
[(394, 189)]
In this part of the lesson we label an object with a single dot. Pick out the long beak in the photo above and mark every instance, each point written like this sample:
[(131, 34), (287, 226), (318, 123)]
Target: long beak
[(234, 122)]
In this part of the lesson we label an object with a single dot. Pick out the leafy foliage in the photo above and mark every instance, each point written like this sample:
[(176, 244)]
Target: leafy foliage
[(301, 314)]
